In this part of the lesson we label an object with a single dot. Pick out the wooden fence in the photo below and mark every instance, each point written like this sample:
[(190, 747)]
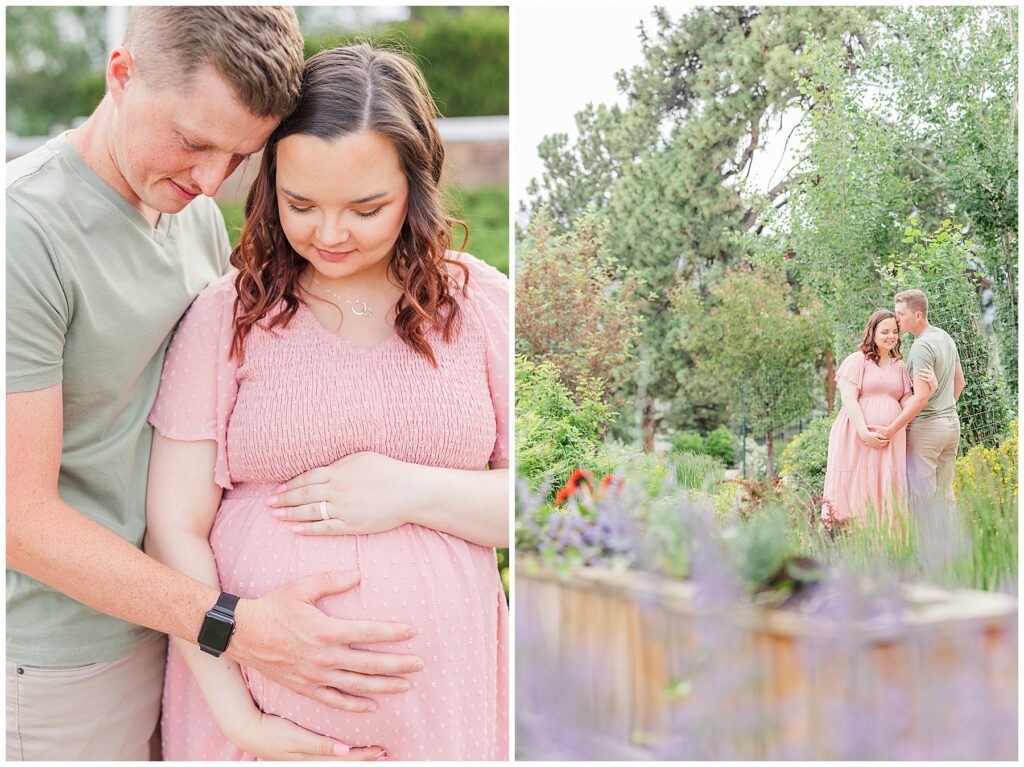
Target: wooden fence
[(629, 666)]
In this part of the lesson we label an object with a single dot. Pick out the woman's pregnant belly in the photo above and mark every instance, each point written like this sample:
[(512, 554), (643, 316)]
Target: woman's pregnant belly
[(443, 586), (879, 410)]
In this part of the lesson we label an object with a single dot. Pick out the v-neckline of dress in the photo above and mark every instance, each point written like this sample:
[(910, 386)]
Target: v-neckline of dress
[(314, 320)]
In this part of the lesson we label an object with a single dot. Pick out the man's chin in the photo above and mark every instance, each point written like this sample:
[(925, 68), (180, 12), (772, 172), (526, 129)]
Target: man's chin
[(166, 204)]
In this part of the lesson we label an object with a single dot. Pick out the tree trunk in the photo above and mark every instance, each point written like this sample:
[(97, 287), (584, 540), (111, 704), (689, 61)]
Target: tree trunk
[(769, 443), (830, 379), (649, 425)]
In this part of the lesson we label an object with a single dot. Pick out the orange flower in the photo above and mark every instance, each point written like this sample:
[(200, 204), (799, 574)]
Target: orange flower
[(581, 481), (581, 477)]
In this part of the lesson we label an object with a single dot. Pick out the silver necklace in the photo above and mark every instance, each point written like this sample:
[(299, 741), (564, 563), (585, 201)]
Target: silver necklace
[(358, 307)]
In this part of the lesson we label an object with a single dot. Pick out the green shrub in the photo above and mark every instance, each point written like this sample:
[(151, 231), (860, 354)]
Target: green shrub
[(554, 434), (758, 545), (719, 443), (485, 211), (463, 53), (696, 471), (688, 442), (502, 557), (986, 485), (804, 458)]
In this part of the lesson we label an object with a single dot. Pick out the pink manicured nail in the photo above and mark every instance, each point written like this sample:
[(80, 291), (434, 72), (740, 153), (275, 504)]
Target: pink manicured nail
[(279, 513), (340, 749), (280, 488), (296, 528), (272, 500)]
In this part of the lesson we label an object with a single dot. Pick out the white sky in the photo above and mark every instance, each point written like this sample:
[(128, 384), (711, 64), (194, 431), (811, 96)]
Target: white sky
[(565, 57), (562, 58)]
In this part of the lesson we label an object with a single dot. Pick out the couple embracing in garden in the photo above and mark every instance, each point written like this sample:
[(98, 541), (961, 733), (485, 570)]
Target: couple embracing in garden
[(892, 449), (305, 466)]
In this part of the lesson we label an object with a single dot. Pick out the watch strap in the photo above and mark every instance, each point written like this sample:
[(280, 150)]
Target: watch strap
[(226, 604)]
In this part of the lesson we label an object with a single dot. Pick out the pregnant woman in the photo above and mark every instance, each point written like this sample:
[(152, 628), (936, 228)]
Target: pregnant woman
[(334, 405), (866, 475)]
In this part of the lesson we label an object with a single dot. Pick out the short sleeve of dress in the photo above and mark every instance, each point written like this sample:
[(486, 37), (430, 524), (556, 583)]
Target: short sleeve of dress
[(852, 370), (907, 385), (488, 295), (198, 385)]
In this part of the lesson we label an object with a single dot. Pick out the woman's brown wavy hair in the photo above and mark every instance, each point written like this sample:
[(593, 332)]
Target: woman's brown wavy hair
[(867, 343), (344, 91)]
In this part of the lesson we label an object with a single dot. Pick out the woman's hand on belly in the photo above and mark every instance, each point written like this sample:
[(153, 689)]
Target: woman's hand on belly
[(367, 493), (362, 493), (272, 738)]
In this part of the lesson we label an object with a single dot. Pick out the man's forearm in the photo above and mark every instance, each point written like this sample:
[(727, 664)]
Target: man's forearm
[(914, 405), (54, 543)]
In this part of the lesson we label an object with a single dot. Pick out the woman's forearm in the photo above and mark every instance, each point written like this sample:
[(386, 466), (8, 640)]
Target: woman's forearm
[(219, 679), (849, 393), (472, 505), (181, 505)]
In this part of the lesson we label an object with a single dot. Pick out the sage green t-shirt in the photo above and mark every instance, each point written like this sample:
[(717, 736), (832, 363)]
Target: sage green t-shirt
[(93, 294), (935, 347)]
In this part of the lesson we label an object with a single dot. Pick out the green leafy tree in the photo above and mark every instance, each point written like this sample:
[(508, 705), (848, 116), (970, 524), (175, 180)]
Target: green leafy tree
[(55, 59), (765, 354), (575, 309), (667, 169), (921, 127), (956, 104)]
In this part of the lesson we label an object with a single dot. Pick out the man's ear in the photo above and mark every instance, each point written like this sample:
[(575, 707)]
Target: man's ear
[(121, 70)]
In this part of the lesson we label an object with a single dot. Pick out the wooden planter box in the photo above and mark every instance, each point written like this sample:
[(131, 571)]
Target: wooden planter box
[(628, 666)]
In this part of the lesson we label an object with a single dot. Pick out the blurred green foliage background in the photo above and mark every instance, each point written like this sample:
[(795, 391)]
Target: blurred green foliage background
[(56, 55)]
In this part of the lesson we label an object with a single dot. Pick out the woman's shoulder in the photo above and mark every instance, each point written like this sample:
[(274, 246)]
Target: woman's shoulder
[(217, 297), (854, 358), (220, 289), (478, 276)]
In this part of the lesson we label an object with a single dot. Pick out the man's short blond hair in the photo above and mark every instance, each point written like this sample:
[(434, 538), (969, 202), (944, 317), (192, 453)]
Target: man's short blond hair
[(256, 49), (915, 300)]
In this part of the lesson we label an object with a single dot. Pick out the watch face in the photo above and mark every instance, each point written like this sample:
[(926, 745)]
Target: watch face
[(215, 632)]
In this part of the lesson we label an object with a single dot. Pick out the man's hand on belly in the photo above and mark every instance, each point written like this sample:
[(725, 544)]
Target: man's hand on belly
[(284, 636)]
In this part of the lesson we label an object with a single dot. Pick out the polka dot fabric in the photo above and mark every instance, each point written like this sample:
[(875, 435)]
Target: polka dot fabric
[(302, 398)]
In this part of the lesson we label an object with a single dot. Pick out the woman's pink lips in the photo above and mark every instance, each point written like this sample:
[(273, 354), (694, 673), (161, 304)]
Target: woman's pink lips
[(182, 191), (328, 255)]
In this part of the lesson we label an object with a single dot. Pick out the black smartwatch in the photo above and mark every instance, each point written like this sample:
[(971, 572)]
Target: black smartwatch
[(218, 626)]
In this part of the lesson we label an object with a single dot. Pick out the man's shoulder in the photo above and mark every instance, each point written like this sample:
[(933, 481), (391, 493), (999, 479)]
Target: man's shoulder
[(938, 339), (45, 195), (34, 181), (31, 164), (37, 177)]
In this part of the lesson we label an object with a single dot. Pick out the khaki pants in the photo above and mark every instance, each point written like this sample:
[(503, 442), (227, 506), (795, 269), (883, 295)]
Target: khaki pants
[(100, 711), (931, 459)]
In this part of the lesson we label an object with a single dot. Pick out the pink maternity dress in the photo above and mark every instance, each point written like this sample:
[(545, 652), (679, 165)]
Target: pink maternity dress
[(305, 398), (868, 484)]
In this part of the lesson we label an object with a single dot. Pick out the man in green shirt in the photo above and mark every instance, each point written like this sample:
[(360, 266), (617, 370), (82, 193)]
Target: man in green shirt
[(933, 426), (111, 233)]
